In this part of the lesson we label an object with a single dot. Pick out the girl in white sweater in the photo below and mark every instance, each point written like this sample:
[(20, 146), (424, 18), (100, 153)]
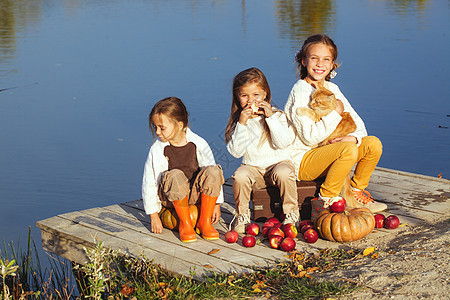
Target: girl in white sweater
[(316, 62), (180, 170), (260, 134)]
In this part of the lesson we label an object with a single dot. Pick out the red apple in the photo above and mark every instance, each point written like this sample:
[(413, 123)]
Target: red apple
[(231, 236), (278, 225), (268, 223), (275, 231), (379, 220), (249, 241), (275, 241), (306, 227), (310, 236), (265, 230), (391, 222), (338, 206), (289, 230), (252, 229), (288, 244), (273, 220), (305, 222)]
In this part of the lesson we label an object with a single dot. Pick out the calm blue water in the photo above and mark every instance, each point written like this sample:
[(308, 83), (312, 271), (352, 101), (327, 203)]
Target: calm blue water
[(74, 133)]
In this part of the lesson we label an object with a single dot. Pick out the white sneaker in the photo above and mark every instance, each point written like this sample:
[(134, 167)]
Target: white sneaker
[(293, 218), (366, 200), (242, 221)]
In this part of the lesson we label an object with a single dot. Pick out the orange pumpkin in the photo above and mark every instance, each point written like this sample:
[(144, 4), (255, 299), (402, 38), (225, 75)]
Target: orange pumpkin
[(170, 220), (348, 226)]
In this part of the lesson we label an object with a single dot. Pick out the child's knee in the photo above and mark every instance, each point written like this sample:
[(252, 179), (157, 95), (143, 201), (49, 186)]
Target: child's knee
[(174, 185), (284, 173), (212, 177), (373, 143), (241, 177), (214, 172)]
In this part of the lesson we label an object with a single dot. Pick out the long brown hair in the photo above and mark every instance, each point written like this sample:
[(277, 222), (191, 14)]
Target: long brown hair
[(248, 76), (303, 52), (173, 108)]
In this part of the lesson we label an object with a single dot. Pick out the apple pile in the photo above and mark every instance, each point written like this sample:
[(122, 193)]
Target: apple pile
[(280, 236), (390, 222), (309, 233)]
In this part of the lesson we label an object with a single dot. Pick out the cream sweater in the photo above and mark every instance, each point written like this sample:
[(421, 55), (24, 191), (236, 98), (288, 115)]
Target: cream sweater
[(245, 141), (309, 133)]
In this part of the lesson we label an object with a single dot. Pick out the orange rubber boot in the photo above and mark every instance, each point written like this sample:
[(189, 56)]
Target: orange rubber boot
[(204, 226), (187, 232)]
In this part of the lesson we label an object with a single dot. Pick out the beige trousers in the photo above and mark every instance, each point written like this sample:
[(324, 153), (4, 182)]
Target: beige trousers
[(248, 178), (175, 185), (336, 160)]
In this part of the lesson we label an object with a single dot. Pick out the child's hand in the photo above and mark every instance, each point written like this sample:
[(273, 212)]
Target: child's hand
[(156, 223), (264, 109), (216, 214), (348, 138), (246, 114)]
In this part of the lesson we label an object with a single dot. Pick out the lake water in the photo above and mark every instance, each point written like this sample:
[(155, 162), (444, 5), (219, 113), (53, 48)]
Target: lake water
[(79, 79)]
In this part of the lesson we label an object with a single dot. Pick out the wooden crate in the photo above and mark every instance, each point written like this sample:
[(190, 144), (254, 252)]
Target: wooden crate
[(267, 202)]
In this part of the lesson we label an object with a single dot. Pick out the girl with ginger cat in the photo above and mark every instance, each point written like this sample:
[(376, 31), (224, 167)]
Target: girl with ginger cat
[(316, 63)]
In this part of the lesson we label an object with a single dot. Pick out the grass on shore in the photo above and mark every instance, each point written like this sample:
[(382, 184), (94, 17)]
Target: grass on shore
[(111, 276)]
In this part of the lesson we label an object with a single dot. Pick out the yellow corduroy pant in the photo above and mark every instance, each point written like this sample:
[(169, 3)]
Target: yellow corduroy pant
[(336, 160)]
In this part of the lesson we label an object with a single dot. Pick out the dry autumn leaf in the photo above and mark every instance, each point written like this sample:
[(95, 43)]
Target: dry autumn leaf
[(368, 251), (402, 225), (213, 251), (208, 266), (440, 175), (126, 290), (375, 255)]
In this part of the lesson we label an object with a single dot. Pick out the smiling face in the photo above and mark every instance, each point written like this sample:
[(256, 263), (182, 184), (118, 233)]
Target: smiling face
[(169, 130), (318, 63), (251, 93)]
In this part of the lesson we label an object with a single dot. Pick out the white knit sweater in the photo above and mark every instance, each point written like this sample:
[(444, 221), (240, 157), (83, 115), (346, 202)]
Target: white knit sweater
[(245, 141), (309, 133)]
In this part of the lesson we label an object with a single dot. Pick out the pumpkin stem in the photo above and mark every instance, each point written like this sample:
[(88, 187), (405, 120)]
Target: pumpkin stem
[(346, 212)]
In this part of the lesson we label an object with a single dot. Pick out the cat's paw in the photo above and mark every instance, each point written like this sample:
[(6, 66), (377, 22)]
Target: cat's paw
[(303, 111)]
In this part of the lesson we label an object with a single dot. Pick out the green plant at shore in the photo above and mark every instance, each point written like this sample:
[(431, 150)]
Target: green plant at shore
[(110, 276), (7, 268), (30, 279), (98, 271)]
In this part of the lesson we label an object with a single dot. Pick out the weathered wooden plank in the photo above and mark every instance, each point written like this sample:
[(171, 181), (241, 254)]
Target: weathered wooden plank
[(404, 175), (232, 252), (174, 248), (55, 242), (64, 247)]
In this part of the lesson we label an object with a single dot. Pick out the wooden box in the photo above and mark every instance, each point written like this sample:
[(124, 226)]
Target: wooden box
[(267, 202)]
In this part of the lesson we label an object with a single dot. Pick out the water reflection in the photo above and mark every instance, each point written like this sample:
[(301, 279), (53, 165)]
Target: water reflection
[(299, 19)]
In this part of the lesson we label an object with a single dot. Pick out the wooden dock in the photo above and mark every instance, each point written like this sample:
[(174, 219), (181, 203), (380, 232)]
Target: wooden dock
[(413, 198)]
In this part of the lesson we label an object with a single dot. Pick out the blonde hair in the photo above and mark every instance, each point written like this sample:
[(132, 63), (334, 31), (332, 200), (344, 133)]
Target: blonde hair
[(248, 76)]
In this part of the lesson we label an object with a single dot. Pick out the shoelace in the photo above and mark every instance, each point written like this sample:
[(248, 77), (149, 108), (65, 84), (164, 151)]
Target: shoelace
[(291, 217), (363, 196)]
